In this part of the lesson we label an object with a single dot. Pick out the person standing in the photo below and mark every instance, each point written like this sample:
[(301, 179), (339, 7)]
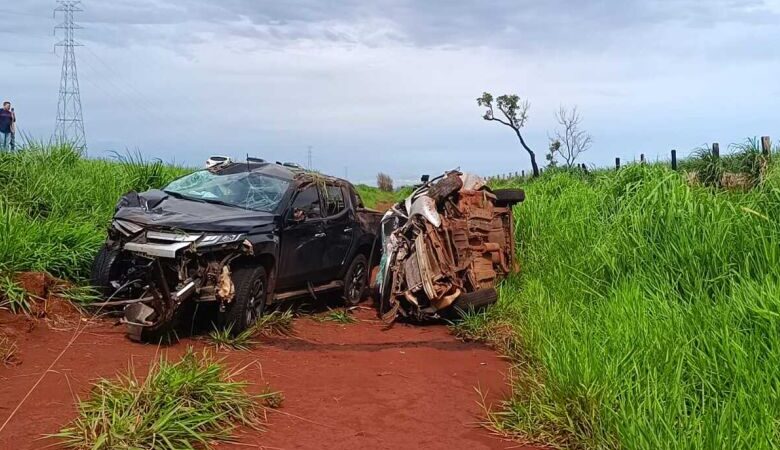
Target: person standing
[(8, 125)]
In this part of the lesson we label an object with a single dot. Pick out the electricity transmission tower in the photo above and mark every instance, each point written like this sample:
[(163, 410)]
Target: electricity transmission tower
[(70, 123), (309, 157)]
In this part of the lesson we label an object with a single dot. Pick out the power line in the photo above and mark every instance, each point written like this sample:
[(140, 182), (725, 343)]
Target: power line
[(70, 121), (124, 86)]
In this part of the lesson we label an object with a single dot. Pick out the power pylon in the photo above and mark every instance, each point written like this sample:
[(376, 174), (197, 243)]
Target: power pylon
[(70, 122)]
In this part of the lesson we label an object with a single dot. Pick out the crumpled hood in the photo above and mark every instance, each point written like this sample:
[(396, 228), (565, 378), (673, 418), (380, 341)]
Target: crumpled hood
[(155, 209)]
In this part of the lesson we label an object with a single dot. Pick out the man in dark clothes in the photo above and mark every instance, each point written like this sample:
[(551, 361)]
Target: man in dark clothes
[(8, 125)]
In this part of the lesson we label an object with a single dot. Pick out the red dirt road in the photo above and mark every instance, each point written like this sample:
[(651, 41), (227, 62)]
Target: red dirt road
[(345, 386)]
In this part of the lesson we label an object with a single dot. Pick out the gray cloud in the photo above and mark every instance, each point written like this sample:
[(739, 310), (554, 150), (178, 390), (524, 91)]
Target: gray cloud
[(398, 78), (515, 24)]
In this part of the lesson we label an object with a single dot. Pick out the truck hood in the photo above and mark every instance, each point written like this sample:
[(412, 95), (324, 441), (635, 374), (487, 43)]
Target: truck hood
[(156, 209)]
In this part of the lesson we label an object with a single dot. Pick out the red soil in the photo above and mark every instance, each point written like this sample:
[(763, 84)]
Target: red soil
[(345, 386)]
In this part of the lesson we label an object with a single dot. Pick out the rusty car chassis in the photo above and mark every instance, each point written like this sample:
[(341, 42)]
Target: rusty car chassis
[(445, 247)]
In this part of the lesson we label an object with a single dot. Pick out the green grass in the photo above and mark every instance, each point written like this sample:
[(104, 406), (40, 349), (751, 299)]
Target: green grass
[(80, 295), (55, 206), (273, 324), (341, 316), (225, 339), (373, 197), (744, 158), (647, 314), (182, 405), (13, 296)]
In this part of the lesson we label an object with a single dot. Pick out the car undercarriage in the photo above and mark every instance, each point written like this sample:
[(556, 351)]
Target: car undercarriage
[(446, 247)]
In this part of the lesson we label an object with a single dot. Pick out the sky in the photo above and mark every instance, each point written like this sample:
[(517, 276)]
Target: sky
[(391, 85)]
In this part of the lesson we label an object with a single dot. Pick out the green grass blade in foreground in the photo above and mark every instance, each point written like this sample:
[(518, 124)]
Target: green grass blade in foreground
[(271, 324), (13, 296), (341, 316), (182, 405)]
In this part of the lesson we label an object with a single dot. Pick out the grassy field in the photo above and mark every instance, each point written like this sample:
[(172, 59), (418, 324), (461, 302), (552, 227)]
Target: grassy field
[(647, 314), (55, 206)]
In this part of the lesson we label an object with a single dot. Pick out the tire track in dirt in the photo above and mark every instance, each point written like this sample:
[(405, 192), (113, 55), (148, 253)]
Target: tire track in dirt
[(346, 386)]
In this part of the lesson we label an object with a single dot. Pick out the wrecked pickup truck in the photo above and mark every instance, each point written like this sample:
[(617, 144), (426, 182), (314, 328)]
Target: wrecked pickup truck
[(445, 247), (243, 235)]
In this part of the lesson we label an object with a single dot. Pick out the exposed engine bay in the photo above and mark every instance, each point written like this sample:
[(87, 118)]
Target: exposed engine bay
[(445, 248)]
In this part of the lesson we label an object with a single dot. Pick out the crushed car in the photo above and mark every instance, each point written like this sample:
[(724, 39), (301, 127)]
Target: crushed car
[(244, 235), (445, 247)]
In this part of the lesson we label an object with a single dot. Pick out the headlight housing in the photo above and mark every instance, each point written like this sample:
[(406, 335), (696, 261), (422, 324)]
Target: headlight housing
[(218, 239)]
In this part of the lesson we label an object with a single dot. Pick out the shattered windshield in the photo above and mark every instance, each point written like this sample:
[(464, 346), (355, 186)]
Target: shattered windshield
[(249, 190)]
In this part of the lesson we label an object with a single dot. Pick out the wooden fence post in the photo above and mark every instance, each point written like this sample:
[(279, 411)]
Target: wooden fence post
[(674, 159), (617, 163), (716, 150), (522, 172), (766, 145), (642, 158)]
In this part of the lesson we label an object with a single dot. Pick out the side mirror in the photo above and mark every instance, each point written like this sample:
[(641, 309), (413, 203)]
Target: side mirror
[(425, 178)]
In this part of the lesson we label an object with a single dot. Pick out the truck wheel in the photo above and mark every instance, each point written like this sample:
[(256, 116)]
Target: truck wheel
[(505, 197), (248, 305), (356, 280), (472, 301), (107, 267)]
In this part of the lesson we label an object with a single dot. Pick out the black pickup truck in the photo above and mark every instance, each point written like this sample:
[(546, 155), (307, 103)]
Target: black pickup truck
[(243, 235)]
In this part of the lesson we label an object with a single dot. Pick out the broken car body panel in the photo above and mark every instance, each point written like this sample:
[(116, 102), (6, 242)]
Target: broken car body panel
[(451, 238)]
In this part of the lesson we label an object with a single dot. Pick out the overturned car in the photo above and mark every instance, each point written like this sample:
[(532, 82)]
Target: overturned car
[(241, 235), (445, 247)]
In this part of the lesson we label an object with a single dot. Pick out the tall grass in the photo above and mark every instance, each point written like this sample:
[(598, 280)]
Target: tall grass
[(55, 205), (648, 312)]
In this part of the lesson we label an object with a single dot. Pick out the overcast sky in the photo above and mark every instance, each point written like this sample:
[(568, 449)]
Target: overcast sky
[(391, 85)]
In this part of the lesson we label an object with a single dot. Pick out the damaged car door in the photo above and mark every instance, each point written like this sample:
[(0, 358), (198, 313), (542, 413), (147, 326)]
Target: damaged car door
[(303, 240), (339, 230)]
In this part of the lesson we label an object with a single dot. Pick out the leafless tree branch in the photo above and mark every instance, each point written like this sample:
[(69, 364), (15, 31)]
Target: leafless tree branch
[(573, 140)]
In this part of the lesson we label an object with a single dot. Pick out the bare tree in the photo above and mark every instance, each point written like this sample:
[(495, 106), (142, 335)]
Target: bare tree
[(384, 182), (569, 141), (515, 116)]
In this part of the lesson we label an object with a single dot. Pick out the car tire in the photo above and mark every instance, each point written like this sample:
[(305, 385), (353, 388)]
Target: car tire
[(505, 197), (251, 284), (356, 281), (105, 269), (474, 301)]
